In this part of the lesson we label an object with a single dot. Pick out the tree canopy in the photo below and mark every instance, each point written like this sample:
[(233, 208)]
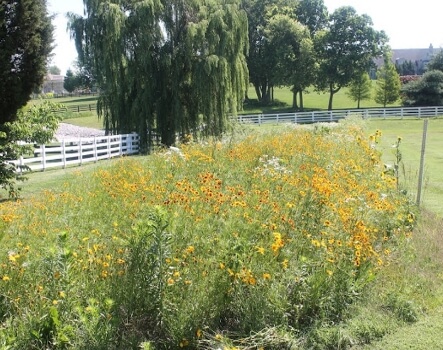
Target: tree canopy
[(294, 54), (436, 63), (427, 91), (71, 81), (26, 36), (346, 49), (169, 66)]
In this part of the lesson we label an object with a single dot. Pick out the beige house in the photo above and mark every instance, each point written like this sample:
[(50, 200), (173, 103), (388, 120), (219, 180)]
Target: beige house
[(54, 84)]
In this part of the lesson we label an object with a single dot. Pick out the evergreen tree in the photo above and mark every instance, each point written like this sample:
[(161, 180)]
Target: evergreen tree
[(436, 63), (25, 44), (165, 65), (388, 83), (71, 81), (360, 88)]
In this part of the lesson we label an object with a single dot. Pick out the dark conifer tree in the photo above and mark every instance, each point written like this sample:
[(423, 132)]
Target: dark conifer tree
[(26, 36)]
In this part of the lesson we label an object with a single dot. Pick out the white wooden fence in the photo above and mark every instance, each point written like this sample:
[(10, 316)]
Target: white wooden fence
[(77, 151), (336, 115), (82, 150)]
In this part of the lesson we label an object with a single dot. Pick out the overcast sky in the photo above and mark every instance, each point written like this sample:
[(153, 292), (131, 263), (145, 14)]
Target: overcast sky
[(408, 25)]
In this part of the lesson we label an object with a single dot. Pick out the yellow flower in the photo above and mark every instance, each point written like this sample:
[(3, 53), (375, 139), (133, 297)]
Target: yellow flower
[(170, 281), (5, 278), (13, 257), (199, 333), (266, 276), (54, 302), (222, 266), (260, 250), (285, 263), (184, 343), (190, 249), (62, 294)]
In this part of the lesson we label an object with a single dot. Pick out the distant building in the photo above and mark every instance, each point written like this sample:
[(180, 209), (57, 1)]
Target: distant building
[(54, 84), (415, 60), (418, 57)]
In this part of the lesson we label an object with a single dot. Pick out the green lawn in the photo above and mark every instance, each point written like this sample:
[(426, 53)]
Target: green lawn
[(411, 132), (312, 101)]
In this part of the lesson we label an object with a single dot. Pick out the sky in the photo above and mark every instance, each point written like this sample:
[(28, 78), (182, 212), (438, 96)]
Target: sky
[(408, 25)]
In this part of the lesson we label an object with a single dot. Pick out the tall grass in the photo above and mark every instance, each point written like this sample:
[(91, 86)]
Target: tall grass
[(256, 241)]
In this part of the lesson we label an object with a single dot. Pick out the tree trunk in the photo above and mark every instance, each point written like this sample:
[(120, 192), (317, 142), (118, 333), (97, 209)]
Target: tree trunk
[(258, 92), (301, 100), (294, 100), (331, 96), (332, 92)]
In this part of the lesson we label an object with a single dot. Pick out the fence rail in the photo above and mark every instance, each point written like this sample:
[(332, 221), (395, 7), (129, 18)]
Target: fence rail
[(336, 115), (78, 151), (91, 107)]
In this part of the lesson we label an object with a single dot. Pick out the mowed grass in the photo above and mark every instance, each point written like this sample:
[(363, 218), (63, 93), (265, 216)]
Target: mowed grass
[(411, 133), (313, 100)]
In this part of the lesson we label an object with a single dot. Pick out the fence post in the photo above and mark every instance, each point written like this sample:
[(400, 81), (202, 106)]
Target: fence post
[(43, 155), (64, 153), (21, 162), (80, 151), (95, 148), (109, 147), (422, 161)]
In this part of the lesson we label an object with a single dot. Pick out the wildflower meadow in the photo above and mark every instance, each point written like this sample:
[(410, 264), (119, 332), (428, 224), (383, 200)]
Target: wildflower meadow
[(243, 243)]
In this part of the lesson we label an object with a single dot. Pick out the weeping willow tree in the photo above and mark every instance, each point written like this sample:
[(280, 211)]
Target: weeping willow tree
[(174, 66)]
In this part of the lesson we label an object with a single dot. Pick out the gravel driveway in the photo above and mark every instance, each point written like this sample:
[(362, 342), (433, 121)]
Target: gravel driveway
[(69, 131)]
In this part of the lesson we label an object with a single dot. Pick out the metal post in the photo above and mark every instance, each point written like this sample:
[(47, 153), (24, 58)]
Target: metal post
[(422, 160)]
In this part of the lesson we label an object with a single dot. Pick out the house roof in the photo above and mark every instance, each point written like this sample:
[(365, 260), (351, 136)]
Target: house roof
[(52, 77), (402, 55), (412, 54)]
